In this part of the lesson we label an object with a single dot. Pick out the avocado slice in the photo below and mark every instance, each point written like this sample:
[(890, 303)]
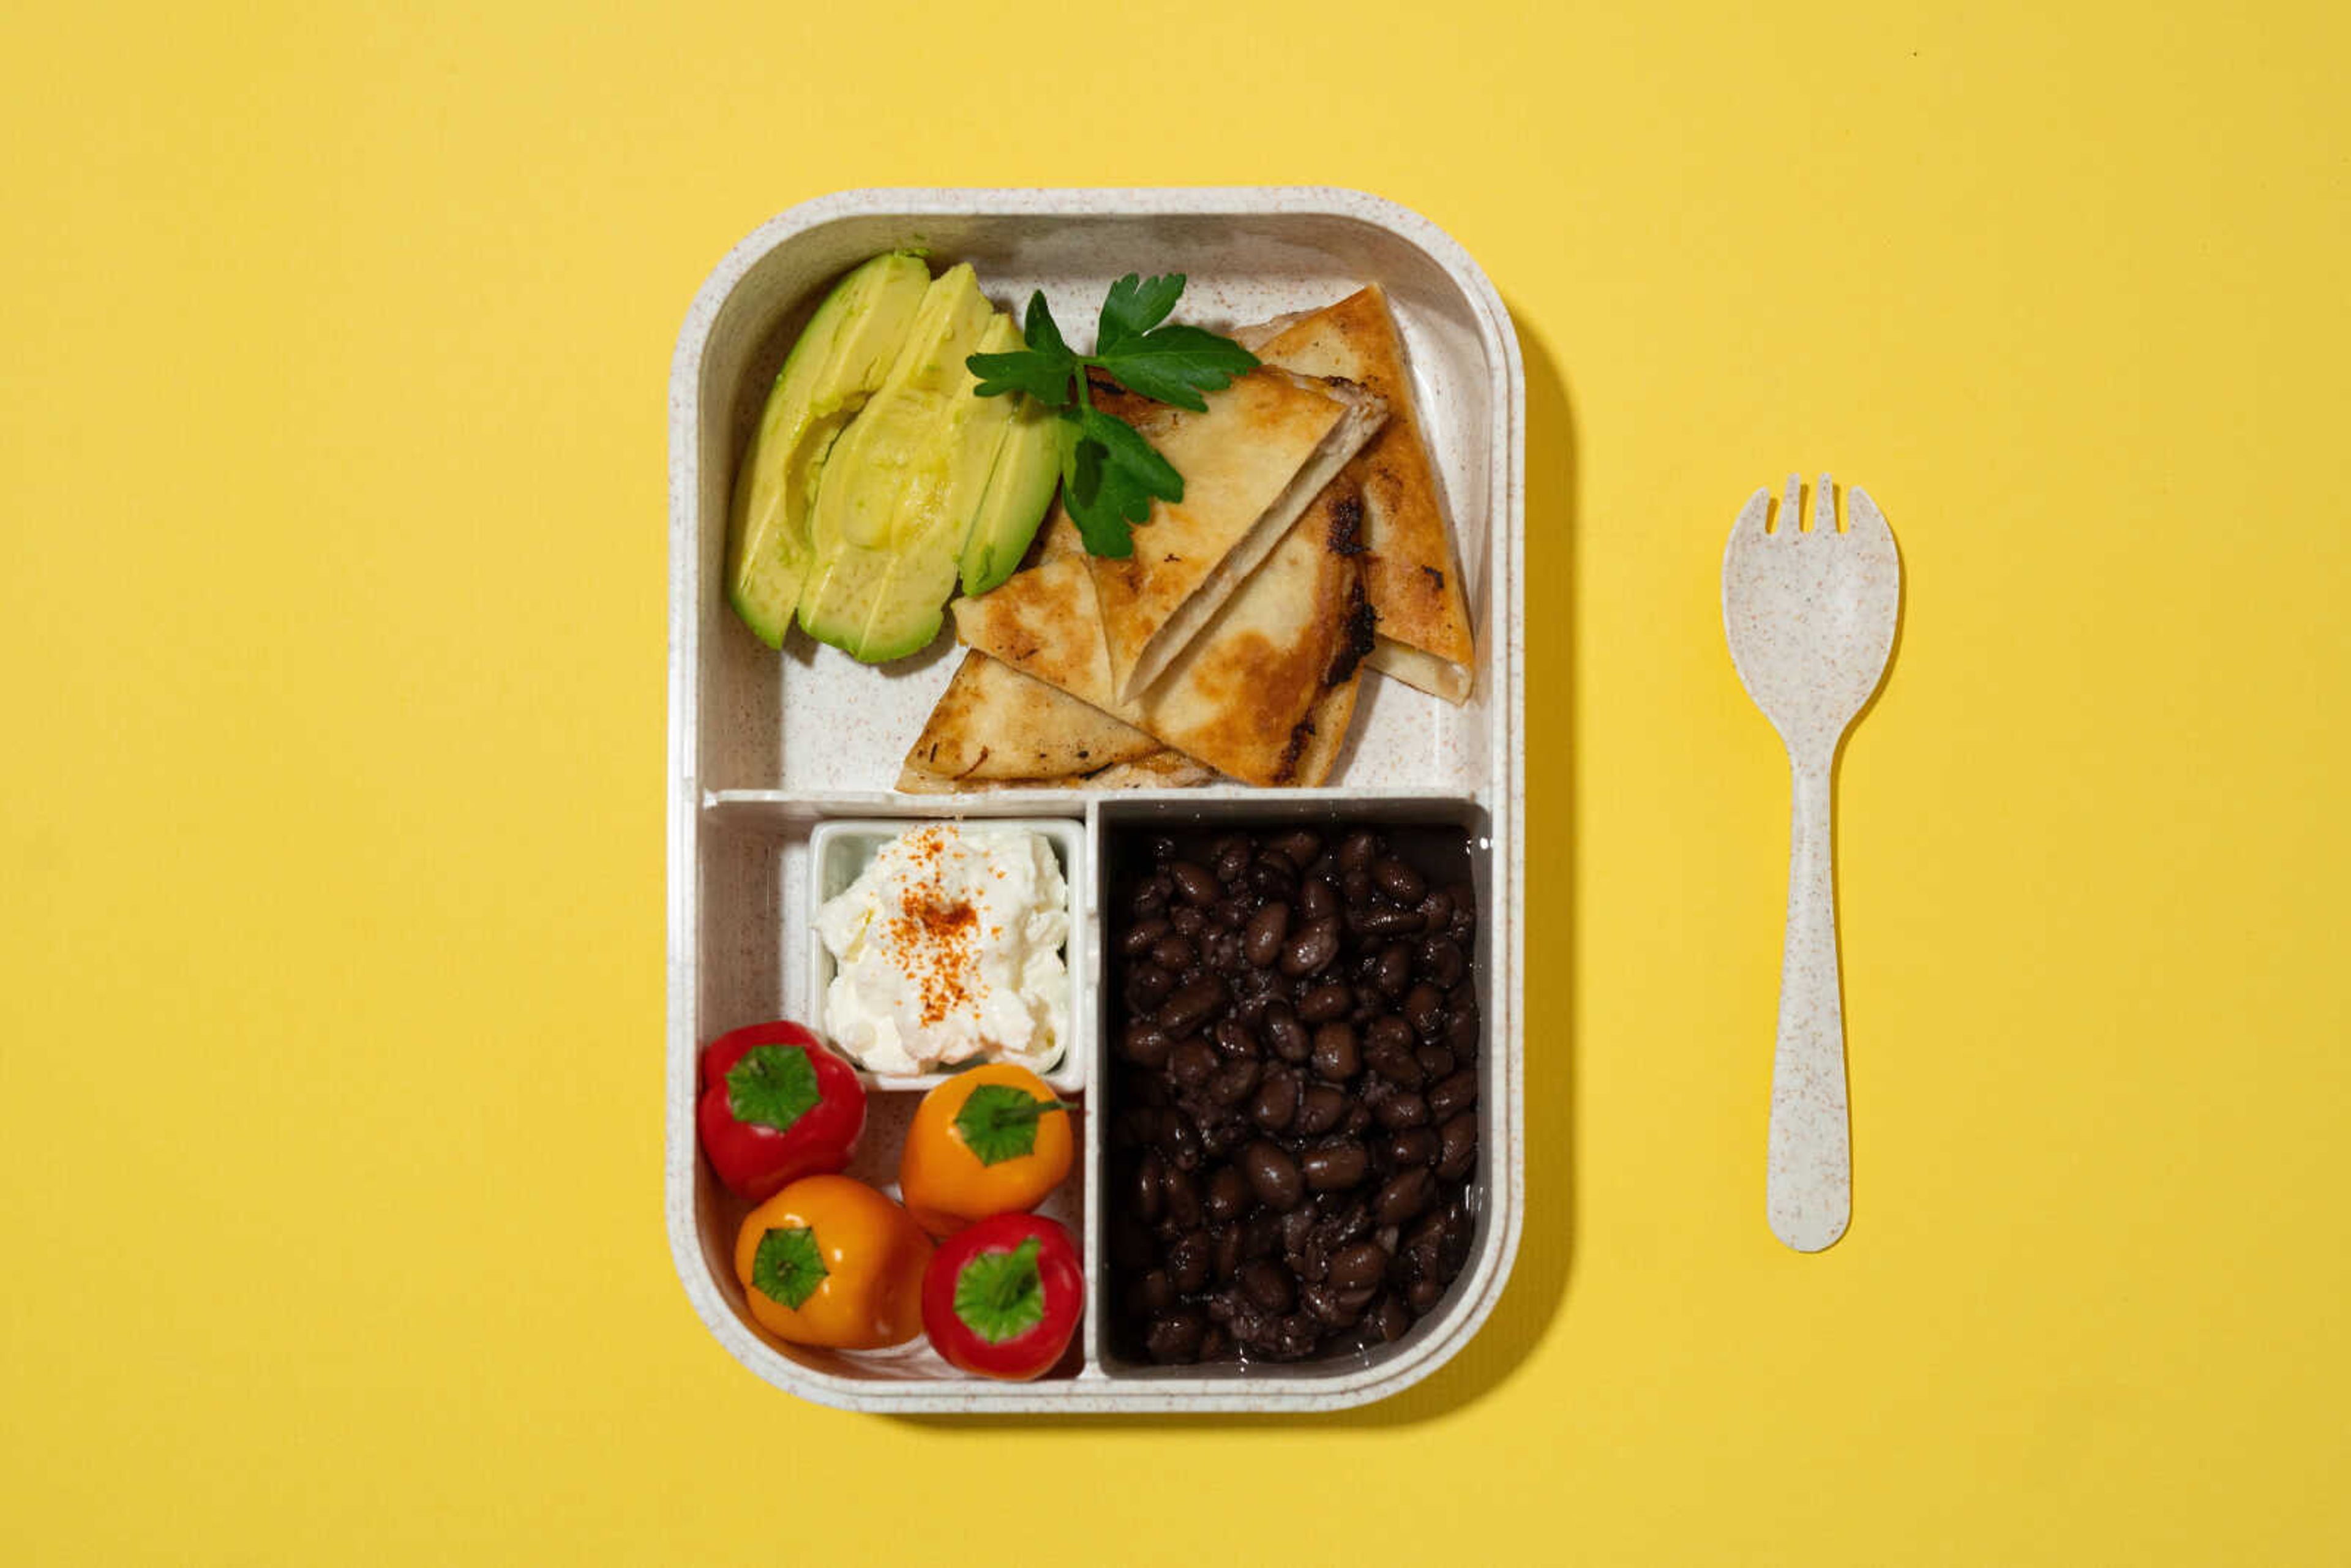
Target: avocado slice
[(1028, 467), (898, 492), (837, 363)]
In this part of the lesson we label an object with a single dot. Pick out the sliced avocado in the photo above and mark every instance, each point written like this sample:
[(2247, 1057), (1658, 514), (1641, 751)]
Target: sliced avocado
[(837, 363), (901, 487), (1028, 467)]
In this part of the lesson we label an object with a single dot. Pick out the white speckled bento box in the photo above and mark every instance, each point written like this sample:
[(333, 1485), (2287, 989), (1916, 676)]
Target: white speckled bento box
[(763, 746)]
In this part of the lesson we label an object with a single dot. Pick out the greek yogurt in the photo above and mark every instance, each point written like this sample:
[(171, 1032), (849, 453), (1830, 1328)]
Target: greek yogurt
[(947, 949)]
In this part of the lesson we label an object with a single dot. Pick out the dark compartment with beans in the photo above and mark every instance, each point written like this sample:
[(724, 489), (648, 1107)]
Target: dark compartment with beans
[(1293, 1087)]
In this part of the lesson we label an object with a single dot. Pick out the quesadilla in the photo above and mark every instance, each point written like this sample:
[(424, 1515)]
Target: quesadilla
[(1265, 448), (997, 728), (1265, 692), (1410, 571)]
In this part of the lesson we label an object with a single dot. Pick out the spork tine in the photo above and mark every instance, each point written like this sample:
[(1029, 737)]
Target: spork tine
[(1811, 617)]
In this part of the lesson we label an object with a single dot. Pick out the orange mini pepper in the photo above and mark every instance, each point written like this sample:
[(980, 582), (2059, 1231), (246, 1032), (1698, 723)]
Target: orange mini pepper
[(830, 1262), (992, 1140)]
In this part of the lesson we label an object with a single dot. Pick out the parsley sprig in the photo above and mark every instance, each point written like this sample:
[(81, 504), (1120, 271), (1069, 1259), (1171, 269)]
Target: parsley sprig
[(1109, 472)]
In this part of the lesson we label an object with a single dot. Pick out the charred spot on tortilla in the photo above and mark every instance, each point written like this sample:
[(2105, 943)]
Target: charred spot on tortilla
[(1298, 736), (1436, 577), (1347, 524), (1357, 637)]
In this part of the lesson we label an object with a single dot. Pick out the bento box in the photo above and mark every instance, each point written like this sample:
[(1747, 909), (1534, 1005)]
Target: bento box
[(768, 749)]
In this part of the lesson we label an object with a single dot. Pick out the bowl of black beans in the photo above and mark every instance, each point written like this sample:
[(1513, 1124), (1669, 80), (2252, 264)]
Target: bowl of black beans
[(1291, 1166)]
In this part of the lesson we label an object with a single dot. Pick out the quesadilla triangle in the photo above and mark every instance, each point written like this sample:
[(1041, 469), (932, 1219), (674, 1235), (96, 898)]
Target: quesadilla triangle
[(1264, 693), (1266, 446), (994, 725), (1410, 571)]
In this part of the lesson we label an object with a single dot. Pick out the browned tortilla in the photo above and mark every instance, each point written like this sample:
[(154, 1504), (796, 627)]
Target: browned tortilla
[(1411, 573), (997, 728), (1264, 693), (1251, 464)]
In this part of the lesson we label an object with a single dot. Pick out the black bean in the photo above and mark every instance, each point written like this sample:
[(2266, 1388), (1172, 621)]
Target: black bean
[(1153, 1293), (1191, 1063), (1388, 1048), (1272, 1174), (1400, 1110), (1179, 1138), (1147, 986), (1269, 1285), (1458, 1138), (1175, 1336), (1144, 1044), (1195, 881), (1192, 1004), (1141, 935), (1234, 1083), (1326, 1001), (1297, 1229), (1226, 1260), (1336, 1058), (1453, 1094), (1235, 1040), (1414, 1146), (1187, 920), (1188, 1257), (1358, 850), (1149, 901), (1276, 1102), (1405, 1194), (1386, 920), (1268, 928), (1423, 1008), (1365, 1263), (1441, 961), (1355, 887), (1287, 1036), (1357, 1121), (1148, 1175), (1271, 877), (1388, 1319), (1399, 881), (1422, 1294), (1232, 914), (1310, 950), (1298, 846), (1392, 971), (1437, 910), (1333, 1167), (1320, 1108), (1435, 1060), (1228, 1195), (1173, 953), (1317, 899), (1461, 1033), (1232, 858)]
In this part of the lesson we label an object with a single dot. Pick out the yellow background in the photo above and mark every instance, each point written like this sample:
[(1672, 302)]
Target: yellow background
[(331, 455)]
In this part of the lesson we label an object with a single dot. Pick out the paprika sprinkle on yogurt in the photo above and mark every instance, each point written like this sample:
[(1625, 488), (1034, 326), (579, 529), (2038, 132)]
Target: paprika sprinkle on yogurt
[(949, 949)]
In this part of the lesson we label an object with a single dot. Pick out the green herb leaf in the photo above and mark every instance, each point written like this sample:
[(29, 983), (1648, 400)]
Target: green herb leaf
[(1043, 369), (772, 1086), (1123, 447), (999, 1122), (1001, 1295), (787, 1267), (1109, 473), (1176, 365), (1133, 306), (1038, 330)]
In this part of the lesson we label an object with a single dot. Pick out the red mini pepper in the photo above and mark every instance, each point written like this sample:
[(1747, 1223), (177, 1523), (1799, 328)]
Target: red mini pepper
[(777, 1105), (1001, 1297)]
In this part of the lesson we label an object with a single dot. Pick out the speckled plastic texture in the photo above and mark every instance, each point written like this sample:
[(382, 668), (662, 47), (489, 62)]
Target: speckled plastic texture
[(766, 747), (1810, 615)]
